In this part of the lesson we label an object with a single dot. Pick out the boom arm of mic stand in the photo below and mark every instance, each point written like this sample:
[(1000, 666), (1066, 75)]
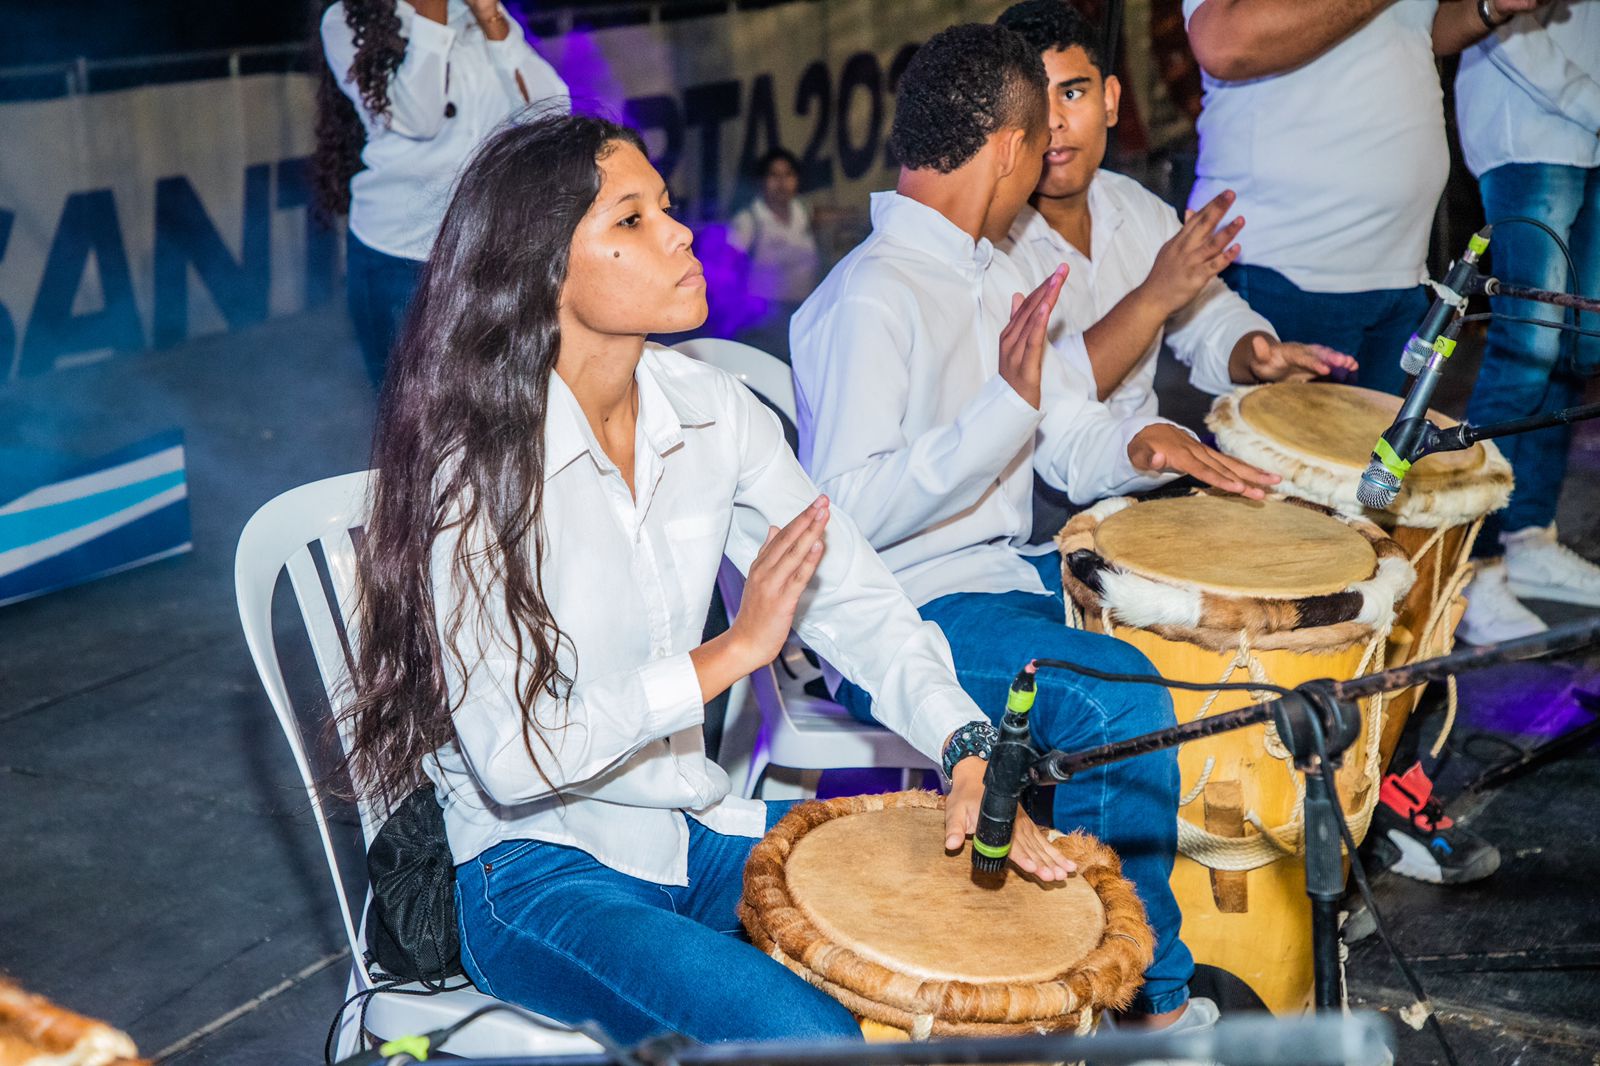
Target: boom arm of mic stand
[(1465, 435), (1320, 698), (1496, 287)]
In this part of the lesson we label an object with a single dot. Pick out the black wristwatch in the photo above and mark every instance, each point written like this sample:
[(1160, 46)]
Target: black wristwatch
[(974, 738)]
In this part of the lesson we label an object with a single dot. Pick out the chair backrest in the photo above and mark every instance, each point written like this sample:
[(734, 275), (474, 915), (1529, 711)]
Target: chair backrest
[(281, 536), (765, 375)]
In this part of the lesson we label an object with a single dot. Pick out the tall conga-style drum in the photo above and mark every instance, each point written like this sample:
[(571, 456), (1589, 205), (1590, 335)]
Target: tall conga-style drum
[(1219, 588), (858, 896), (1318, 436)]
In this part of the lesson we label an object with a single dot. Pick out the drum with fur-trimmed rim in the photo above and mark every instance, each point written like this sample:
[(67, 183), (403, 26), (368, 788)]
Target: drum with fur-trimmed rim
[(1219, 588), (1318, 436), (858, 896)]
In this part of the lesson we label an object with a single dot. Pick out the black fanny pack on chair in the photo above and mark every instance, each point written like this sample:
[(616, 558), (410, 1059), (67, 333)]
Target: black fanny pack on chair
[(411, 924)]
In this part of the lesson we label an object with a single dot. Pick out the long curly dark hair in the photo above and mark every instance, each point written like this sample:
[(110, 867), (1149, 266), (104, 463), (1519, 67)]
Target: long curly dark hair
[(375, 27), (459, 452)]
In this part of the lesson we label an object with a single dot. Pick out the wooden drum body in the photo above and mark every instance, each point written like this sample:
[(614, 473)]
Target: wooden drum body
[(1318, 436), (1215, 588), (857, 896)]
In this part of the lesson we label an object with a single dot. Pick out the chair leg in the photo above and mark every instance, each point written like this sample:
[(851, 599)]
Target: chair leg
[(787, 783), (741, 731), (753, 776), (347, 1041)]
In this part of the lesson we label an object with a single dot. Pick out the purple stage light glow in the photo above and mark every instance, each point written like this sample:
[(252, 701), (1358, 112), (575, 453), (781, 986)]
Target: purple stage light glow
[(1529, 699)]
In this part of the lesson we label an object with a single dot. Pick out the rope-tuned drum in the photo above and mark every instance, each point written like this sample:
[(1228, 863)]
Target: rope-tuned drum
[(1216, 588), (858, 896), (1318, 436)]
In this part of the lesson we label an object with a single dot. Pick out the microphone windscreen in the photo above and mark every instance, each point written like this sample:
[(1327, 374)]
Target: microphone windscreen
[(1378, 487), (1414, 357)]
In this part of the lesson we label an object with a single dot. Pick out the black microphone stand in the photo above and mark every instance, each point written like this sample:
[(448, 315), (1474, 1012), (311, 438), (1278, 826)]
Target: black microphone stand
[(1464, 435), (1317, 721), (1496, 287)]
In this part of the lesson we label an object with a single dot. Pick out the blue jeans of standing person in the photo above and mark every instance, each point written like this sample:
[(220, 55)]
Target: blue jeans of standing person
[(547, 927), (1373, 326), (1131, 805), (378, 289), (1531, 369)]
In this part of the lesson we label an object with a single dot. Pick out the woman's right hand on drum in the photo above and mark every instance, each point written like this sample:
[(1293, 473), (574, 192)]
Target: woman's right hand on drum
[(1163, 447), (1031, 850)]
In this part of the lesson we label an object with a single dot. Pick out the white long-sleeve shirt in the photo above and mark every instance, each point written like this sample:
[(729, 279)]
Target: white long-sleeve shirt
[(1131, 224), (1530, 91), (628, 580), (414, 155), (906, 423)]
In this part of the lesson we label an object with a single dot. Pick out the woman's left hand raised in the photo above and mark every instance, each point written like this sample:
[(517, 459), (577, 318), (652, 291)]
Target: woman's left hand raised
[(495, 25), (1031, 850)]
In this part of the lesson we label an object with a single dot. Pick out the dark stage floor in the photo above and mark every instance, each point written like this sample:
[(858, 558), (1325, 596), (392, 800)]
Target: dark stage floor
[(160, 870)]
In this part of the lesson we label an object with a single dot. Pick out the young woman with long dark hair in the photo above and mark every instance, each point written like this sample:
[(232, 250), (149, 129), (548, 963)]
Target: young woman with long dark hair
[(553, 498), (408, 93)]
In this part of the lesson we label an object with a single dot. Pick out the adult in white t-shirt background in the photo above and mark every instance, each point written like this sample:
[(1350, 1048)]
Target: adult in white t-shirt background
[(1326, 118), (412, 90), (780, 251)]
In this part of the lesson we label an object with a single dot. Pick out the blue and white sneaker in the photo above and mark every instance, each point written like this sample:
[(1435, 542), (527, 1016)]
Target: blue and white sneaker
[(1432, 846)]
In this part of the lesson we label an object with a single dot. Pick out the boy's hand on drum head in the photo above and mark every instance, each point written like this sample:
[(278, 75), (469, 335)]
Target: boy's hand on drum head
[(1031, 850), (1163, 448), (1270, 359)]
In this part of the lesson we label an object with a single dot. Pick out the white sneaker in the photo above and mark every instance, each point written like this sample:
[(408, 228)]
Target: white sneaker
[(1493, 611), (1200, 1015), (1542, 568)]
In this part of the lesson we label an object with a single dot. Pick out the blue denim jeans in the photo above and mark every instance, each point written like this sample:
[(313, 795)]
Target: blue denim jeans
[(1131, 805), (547, 927), (1524, 372), (378, 290), (1372, 326)]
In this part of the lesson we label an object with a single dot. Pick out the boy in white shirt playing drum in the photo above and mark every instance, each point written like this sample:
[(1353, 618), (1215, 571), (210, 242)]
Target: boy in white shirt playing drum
[(928, 395), (1138, 276)]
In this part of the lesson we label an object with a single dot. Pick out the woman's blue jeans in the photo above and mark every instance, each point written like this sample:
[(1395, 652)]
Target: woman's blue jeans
[(1529, 369), (378, 288), (547, 927), (1131, 805)]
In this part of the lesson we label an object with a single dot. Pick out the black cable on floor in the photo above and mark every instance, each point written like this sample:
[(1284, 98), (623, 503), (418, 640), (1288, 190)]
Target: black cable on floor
[(391, 986)]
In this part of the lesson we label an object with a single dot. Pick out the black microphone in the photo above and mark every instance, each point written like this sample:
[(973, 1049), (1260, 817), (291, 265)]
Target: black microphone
[(1005, 778), (1420, 348), (1410, 436), (1434, 342)]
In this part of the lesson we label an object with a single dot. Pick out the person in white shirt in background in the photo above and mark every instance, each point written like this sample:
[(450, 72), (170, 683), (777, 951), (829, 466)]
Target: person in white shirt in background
[(1326, 118), (1528, 110), (1138, 276), (774, 234), (408, 93), (553, 498), (927, 395)]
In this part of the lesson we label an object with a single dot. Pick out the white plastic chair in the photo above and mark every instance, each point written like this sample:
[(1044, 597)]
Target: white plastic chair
[(797, 730), (280, 536)]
